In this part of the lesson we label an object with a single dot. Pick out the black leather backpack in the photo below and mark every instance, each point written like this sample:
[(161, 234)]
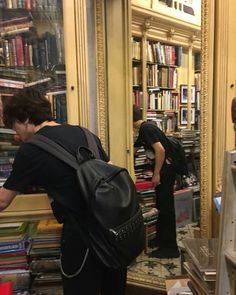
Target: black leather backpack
[(113, 227)]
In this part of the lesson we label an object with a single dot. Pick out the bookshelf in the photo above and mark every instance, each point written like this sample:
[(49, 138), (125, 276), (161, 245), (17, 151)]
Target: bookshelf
[(39, 47), (32, 55), (51, 26), (160, 84)]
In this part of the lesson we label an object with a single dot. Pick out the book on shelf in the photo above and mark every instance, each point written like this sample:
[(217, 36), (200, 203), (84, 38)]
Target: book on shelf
[(12, 228), (20, 278), (59, 105), (14, 246), (143, 185), (14, 16), (21, 84), (6, 288), (48, 225)]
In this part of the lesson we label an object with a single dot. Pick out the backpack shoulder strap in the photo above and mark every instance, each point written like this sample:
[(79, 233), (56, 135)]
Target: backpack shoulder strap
[(92, 144), (55, 149)]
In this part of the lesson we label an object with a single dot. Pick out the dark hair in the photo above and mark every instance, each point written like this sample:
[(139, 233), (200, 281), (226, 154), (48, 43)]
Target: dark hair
[(137, 114), (28, 103)]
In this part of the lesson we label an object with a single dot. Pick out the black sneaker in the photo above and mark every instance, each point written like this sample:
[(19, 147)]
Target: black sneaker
[(165, 253)]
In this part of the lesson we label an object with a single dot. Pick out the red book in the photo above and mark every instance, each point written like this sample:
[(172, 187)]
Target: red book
[(19, 51), (6, 288), (143, 185)]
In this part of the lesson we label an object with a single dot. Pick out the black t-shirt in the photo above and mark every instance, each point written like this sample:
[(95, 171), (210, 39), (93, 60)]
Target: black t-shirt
[(149, 134), (35, 167)]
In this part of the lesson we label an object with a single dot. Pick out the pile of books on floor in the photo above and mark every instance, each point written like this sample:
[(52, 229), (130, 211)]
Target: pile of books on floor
[(147, 201), (150, 219), (14, 248), (201, 264), (45, 258)]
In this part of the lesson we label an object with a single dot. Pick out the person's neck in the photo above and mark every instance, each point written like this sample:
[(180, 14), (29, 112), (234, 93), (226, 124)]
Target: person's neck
[(45, 123), (138, 123)]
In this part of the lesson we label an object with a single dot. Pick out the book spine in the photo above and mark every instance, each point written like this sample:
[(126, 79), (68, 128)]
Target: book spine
[(15, 27), (11, 84), (19, 50), (26, 54), (14, 21), (13, 32), (4, 247), (9, 4), (6, 52), (44, 80), (28, 4), (13, 52)]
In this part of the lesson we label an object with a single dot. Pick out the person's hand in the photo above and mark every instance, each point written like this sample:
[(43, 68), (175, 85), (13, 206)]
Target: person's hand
[(156, 179)]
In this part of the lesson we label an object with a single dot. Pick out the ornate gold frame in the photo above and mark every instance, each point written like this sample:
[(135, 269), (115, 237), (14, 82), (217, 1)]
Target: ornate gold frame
[(207, 53), (207, 42)]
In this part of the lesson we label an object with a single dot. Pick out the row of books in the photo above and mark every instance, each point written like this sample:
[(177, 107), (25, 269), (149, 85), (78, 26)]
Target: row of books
[(8, 149), (164, 54), (157, 76), (44, 258), (136, 49), (29, 51), (163, 100), (166, 120), (14, 249), (137, 97), (31, 5), (58, 102), (29, 256)]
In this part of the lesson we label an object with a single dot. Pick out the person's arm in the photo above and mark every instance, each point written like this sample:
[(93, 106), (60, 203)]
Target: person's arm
[(6, 197), (159, 160)]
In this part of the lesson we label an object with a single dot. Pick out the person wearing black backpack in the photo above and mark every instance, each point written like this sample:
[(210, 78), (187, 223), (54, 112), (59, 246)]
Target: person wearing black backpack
[(28, 113), (157, 148)]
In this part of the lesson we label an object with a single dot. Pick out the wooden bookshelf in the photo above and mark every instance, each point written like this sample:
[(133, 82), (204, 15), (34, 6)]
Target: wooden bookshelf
[(167, 54)]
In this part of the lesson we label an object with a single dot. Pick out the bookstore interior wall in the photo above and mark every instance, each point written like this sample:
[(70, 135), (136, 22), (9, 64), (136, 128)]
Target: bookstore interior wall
[(217, 81), (114, 87), (78, 97)]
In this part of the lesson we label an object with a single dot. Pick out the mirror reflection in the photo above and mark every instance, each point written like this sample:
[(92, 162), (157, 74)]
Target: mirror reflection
[(166, 75)]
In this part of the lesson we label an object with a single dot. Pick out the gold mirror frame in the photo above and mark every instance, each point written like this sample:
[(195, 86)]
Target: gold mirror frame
[(207, 42), (207, 53)]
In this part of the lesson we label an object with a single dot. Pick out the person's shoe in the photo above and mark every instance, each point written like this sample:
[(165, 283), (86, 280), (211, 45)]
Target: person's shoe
[(165, 253)]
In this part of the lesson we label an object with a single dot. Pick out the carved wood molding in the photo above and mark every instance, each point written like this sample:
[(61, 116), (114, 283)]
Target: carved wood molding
[(220, 91), (82, 61), (102, 113), (160, 28), (206, 116)]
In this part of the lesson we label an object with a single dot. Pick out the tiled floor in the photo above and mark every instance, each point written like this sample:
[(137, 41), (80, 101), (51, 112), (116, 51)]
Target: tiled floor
[(152, 272)]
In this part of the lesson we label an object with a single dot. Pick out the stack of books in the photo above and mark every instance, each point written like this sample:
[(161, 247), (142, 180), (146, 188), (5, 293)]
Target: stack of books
[(150, 219), (14, 248), (45, 258), (8, 149), (201, 264), (146, 195)]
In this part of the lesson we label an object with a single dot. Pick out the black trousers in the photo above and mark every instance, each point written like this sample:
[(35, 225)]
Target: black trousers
[(94, 278), (166, 224)]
